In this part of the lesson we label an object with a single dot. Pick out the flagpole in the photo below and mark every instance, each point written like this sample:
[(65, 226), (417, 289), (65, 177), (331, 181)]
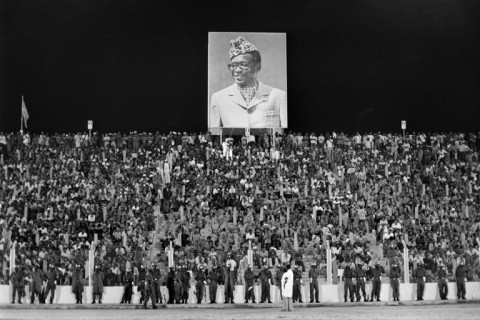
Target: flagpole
[(21, 117)]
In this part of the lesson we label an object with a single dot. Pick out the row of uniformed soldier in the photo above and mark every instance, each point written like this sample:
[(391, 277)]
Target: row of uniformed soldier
[(41, 284), (266, 280), (420, 275), (178, 285), (355, 279)]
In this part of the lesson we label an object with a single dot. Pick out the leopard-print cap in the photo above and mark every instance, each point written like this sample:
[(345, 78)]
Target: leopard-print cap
[(240, 46)]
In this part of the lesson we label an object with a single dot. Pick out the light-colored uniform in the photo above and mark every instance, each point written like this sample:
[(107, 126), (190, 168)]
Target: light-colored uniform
[(268, 108)]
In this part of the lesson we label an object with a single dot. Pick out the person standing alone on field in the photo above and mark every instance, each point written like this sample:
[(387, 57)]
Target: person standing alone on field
[(287, 289)]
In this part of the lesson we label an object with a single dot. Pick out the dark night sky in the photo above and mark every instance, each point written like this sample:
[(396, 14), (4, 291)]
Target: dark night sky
[(142, 65)]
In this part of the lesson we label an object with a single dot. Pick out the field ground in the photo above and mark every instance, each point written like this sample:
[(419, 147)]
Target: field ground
[(450, 310)]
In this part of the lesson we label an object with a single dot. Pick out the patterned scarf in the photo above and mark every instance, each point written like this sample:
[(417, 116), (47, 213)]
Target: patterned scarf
[(248, 92)]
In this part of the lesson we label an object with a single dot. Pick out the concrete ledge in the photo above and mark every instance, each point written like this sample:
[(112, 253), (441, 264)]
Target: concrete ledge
[(327, 294), (65, 306)]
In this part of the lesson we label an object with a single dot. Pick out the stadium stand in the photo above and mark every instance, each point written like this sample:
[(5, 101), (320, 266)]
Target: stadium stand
[(131, 195)]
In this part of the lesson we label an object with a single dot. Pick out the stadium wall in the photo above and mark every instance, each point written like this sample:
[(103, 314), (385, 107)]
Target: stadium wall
[(327, 293)]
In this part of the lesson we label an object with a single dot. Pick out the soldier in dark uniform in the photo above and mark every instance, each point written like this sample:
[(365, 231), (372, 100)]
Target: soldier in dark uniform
[(213, 285), (185, 280), (51, 283), (221, 275), (178, 287), (77, 284), (394, 280), (97, 282), (313, 275), (250, 285), (156, 283), (17, 279), (299, 261), (278, 280), (360, 273), (229, 280), (461, 277), (141, 283), (149, 290), (420, 276), (171, 285), (201, 279), (297, 281), (265, 277), (442, 281), (37, 276), (348, 274), (127, 287), (376, 281)]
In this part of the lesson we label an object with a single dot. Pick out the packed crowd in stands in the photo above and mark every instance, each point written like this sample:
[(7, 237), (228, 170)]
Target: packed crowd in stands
[(296, 193)]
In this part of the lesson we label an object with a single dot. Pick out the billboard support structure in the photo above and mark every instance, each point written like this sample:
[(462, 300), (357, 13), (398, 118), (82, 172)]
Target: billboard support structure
[(404, 127), (273, 138)]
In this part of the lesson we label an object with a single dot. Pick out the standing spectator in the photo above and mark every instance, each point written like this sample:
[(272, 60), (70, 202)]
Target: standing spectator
[(285, 257)]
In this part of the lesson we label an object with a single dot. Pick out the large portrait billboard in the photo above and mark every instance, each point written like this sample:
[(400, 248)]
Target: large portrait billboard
[(247, 80)]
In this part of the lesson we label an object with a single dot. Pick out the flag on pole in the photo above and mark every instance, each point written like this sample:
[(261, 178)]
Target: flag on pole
[(25, 115), (170, 256), (250, 254)]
